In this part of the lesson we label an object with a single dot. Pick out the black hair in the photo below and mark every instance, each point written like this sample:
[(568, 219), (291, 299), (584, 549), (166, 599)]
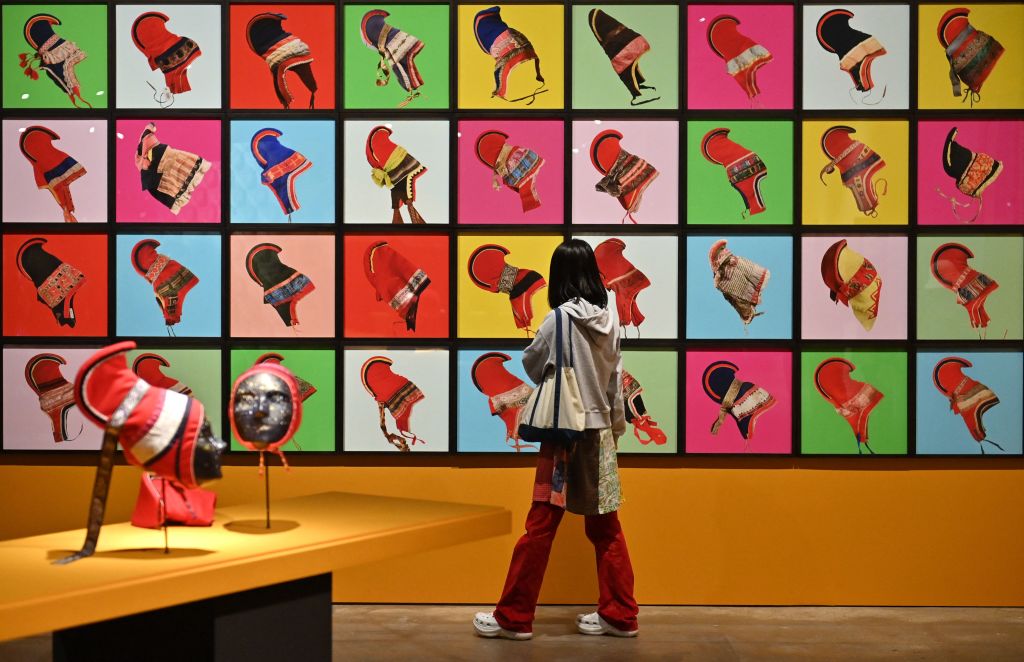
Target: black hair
[(573, 274)]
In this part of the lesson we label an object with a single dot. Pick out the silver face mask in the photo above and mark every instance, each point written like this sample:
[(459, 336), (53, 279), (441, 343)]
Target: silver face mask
[(263, 410)]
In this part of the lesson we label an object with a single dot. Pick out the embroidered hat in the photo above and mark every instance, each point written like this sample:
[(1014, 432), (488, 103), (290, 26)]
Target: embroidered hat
[(171, 281), (853, 400), (516, 166), (391, 166), (283, 287), (740, 280), (56, 281), (395, 280), (305, 388), (265, 409), (624, 47), (281, 167), (967, 397), (53, 54), (170, 175), (397, 50), (853, 280), (53, 169), (626, 176), (164, 49), (949, 267), (856, 50), (396, 393), (489, 271), (743, 56), (744, 168), (858, 164), (620, 276), (148, 366), (509, 48), (506, 393), (636, 412), (972, 171), (972, 54), (56, 394), (283, 52), (744, 401)]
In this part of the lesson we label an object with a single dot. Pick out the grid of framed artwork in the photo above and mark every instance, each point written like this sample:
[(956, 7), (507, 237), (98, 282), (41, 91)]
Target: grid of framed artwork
[(812, 234)]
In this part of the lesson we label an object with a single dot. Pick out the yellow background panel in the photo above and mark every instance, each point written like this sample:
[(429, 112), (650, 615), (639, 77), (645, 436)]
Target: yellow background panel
[(544, 26), (833, 203), (1002, 89), (484, 314)]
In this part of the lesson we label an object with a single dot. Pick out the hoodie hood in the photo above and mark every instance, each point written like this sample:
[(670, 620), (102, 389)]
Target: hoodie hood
[(592, 317)]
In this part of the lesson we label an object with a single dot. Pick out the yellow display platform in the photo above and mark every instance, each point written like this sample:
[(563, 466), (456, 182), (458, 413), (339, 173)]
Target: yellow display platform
[(310, 535)]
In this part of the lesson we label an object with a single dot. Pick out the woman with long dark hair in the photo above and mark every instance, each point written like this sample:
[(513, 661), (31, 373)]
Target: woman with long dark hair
[(583, 476)]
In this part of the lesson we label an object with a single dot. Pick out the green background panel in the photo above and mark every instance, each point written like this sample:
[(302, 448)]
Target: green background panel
[(657, 373), (596, 85), (429, 24), (86, 26), (199, 369), (825, 431), (939, 316), (711, 199), (316, 366)]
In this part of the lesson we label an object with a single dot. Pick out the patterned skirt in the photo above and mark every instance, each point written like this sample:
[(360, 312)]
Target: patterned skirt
[(582, 477)]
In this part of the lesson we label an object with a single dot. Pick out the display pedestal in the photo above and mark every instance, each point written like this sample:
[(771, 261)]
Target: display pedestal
[(283, 622)]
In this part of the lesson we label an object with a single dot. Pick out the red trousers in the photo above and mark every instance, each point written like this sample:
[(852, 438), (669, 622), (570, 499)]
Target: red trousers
[(518, 601)]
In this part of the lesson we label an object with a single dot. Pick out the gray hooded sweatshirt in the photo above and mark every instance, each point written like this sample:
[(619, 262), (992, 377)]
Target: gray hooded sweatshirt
[(597, 359)]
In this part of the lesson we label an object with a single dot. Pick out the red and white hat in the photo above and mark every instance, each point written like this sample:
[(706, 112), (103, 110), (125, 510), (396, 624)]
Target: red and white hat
[(489, 271), (395, 280)]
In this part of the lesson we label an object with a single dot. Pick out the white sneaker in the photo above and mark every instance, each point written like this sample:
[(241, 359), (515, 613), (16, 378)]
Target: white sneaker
[(486, 626), (593, 624)]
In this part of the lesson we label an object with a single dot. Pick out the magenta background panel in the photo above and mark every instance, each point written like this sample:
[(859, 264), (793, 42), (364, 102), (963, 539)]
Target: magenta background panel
[(478, 202), (708, 85), (657, 142), (773, 431), (823, 318), (134, 205), (1003, 140)]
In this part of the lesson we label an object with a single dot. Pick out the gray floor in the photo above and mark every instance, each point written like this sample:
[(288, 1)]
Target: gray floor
[(390, 632)]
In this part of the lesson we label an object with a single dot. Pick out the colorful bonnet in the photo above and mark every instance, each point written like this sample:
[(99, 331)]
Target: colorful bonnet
[(489, 271), (267, 390), (282, 52), (506, 393), (392, 166), (170, 175), (740, 280), (305, 388), (972, 171), (396, 393), (853, 280), (281, 167), (397, 50), (967, 397), (283, 287), (624, 47), (744, 401), (56, 281), (856, 50), (148, 366), (972, 54), (852, 399), (395, 280), (949, 267), (516, 166), (54, 55), (509, 48), (164, 49), (636, 412), (743, 56), (626, 176), (858, 164), (744, 168), (620, 276), (171, 281), (53, 169), (56, 394)]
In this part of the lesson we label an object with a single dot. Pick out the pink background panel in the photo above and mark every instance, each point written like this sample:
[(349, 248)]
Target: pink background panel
[(655, 142), (83, 140), (134, 205), (312, 255), (773, 431), (823, 318), (480, 203), (1004, 198), (708, 85)]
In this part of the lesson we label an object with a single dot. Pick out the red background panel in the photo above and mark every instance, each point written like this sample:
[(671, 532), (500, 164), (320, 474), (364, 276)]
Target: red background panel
[(365, 317), (251, 83)]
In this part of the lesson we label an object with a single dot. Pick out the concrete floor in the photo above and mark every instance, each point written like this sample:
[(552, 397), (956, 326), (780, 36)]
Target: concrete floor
[(708, 634)]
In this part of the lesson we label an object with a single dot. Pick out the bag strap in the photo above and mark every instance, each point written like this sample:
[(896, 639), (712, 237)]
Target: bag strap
[(558, 366)]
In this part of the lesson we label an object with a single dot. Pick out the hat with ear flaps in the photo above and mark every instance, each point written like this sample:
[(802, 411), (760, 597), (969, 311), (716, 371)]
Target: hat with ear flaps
[(54, 55), (148, 366), (626, 176), (857, 163), (967, 397), (165, 50), (509, 48), (283, 52), (516, 166), (283, 286), (170, 279), (853, 280), (305, 388), (624, 47), (489, 271), (856, 50), (949, 267), (394, 392), (393, 167), (972, 54), (506, 393), (281, 167), (852, 399), (397, 50), (743, 167), (744, 401), (56, 394), (972, 171), (740, 280), (395, 280), (636, 412), (53, 169), (622, 277), (56, 281), (743, 56)]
